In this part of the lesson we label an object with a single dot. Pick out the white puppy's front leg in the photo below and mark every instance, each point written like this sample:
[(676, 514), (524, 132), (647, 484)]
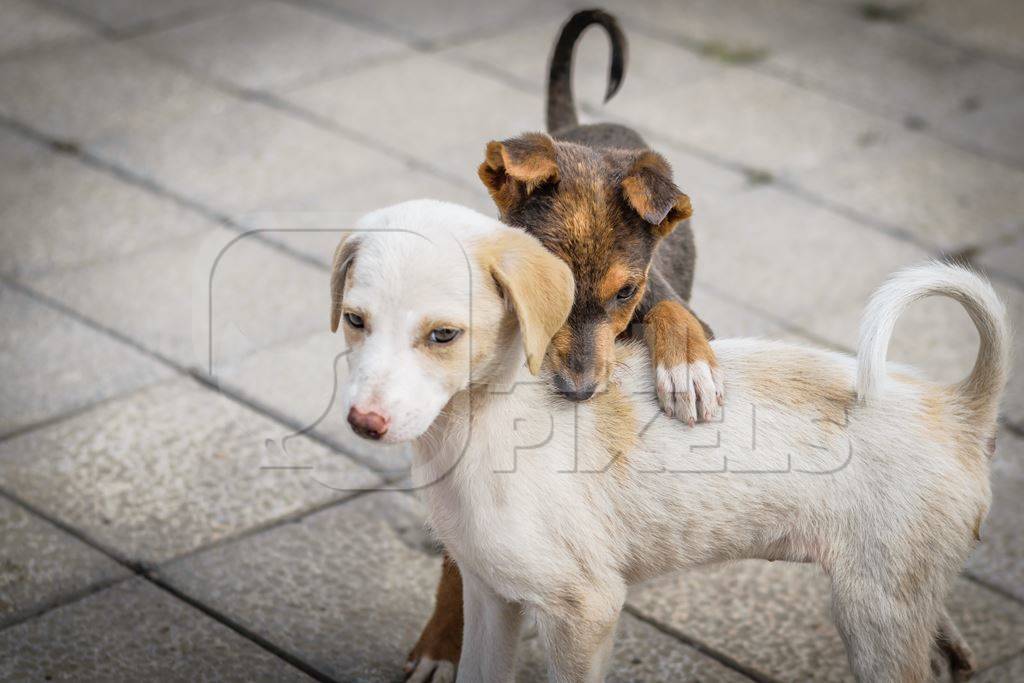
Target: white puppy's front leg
[(490, 633)]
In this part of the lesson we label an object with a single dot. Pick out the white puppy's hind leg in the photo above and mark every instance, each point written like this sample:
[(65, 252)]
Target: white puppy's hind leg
[(490, 637)]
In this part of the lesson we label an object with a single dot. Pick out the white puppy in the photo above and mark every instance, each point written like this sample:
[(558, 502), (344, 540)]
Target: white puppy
[(879, 476)]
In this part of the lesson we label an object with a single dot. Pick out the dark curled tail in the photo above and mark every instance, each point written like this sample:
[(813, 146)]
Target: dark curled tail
[(561, 106)]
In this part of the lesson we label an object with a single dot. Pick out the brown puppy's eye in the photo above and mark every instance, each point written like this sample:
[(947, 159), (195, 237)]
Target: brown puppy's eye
[(354, 320), (444, 335), (626, 293)]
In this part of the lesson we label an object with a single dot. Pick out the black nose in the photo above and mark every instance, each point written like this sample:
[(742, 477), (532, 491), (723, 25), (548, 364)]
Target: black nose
[(572, 390)]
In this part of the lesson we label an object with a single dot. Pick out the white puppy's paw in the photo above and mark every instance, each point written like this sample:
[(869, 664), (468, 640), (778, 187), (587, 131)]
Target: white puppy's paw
[(426, 670), (690, 391)]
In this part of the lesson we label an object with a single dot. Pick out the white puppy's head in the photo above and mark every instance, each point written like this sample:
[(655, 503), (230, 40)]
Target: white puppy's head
[(432, 296)]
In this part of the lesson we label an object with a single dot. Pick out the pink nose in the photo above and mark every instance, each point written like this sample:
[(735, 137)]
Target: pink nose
[(369, 425)]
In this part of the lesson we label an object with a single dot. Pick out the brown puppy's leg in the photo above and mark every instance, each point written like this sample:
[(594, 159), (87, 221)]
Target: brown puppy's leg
[(437, 652), (684, 364), (955, 649)]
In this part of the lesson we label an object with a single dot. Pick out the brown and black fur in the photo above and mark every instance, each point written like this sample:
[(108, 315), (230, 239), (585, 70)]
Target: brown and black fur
[(599, 198)]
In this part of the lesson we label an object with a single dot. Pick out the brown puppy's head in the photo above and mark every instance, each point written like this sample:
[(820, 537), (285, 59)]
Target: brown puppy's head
[(603, 212)]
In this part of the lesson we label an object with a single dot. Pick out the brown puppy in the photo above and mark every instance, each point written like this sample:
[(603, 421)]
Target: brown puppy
[(600, 199)]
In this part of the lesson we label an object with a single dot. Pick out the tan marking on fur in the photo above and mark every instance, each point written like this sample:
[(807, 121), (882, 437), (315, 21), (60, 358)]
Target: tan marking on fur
[(537, 284), (516, 167), (441, 639), (803, 385), (344, 255), (977, 526), (649, 189), (616, 427), (675, 336), (617, 277)]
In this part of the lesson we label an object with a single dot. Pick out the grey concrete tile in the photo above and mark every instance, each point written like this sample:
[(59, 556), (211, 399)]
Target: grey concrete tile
[(214, 296), (793, 259), (268, 45), (1004, 259), (896, 70), (991, 126), (312, 223), (302, 380), (942, 195), (993, 25), (775, 617), (83, 91), (441, 21), (126, 16), (642, 653), (999, 558), (169, 469), (727, 317), (131, 632), (41, 564), (735, 32), (26, 24), (59, 213), (348, 588), (756, 120), (456, 110), (1007, 672), (241, 157), (53, 365), (653, 65)]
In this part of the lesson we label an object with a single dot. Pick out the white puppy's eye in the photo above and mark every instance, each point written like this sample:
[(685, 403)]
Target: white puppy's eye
[(354, 320), (444, 335)]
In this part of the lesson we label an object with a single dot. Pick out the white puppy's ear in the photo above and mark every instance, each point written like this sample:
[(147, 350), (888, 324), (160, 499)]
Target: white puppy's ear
[(344, 255), (536, 283)]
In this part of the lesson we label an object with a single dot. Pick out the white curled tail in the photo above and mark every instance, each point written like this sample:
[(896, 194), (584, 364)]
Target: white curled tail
[(984, 386)]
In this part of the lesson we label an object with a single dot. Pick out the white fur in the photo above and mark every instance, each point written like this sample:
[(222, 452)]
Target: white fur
[(525, 494)]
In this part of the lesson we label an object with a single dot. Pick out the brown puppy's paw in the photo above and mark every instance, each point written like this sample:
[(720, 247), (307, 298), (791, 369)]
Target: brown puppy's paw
[(690, 391), (688, 381), (426, 670)]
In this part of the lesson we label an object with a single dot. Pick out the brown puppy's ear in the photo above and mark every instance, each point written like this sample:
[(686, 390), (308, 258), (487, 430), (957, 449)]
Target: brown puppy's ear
[(514, 168), (649, 189), (535, 283), (344, 255)]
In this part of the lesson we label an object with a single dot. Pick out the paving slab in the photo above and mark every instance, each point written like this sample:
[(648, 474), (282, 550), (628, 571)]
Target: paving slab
[(268, 45), (441, 22), (131, 632), (942, 195), (236, 156), (348, 588), (59, 212), (199, 301), (1005, 260), (775, 617), (749, 118), (83, 91), (1007, 672), (996, 26), (312, 223), (793, 259), (53, 365), (170, 469), (999, 558), (523, 55), (642, 653), (456, 110), (27, 24), (129, 16), (302, 381), (40, 564)]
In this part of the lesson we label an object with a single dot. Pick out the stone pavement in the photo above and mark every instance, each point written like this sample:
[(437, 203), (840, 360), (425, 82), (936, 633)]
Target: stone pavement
[(167, 510)]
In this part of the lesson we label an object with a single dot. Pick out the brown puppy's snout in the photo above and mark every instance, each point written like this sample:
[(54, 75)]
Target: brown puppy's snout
[(574, 388), (369, 425)]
